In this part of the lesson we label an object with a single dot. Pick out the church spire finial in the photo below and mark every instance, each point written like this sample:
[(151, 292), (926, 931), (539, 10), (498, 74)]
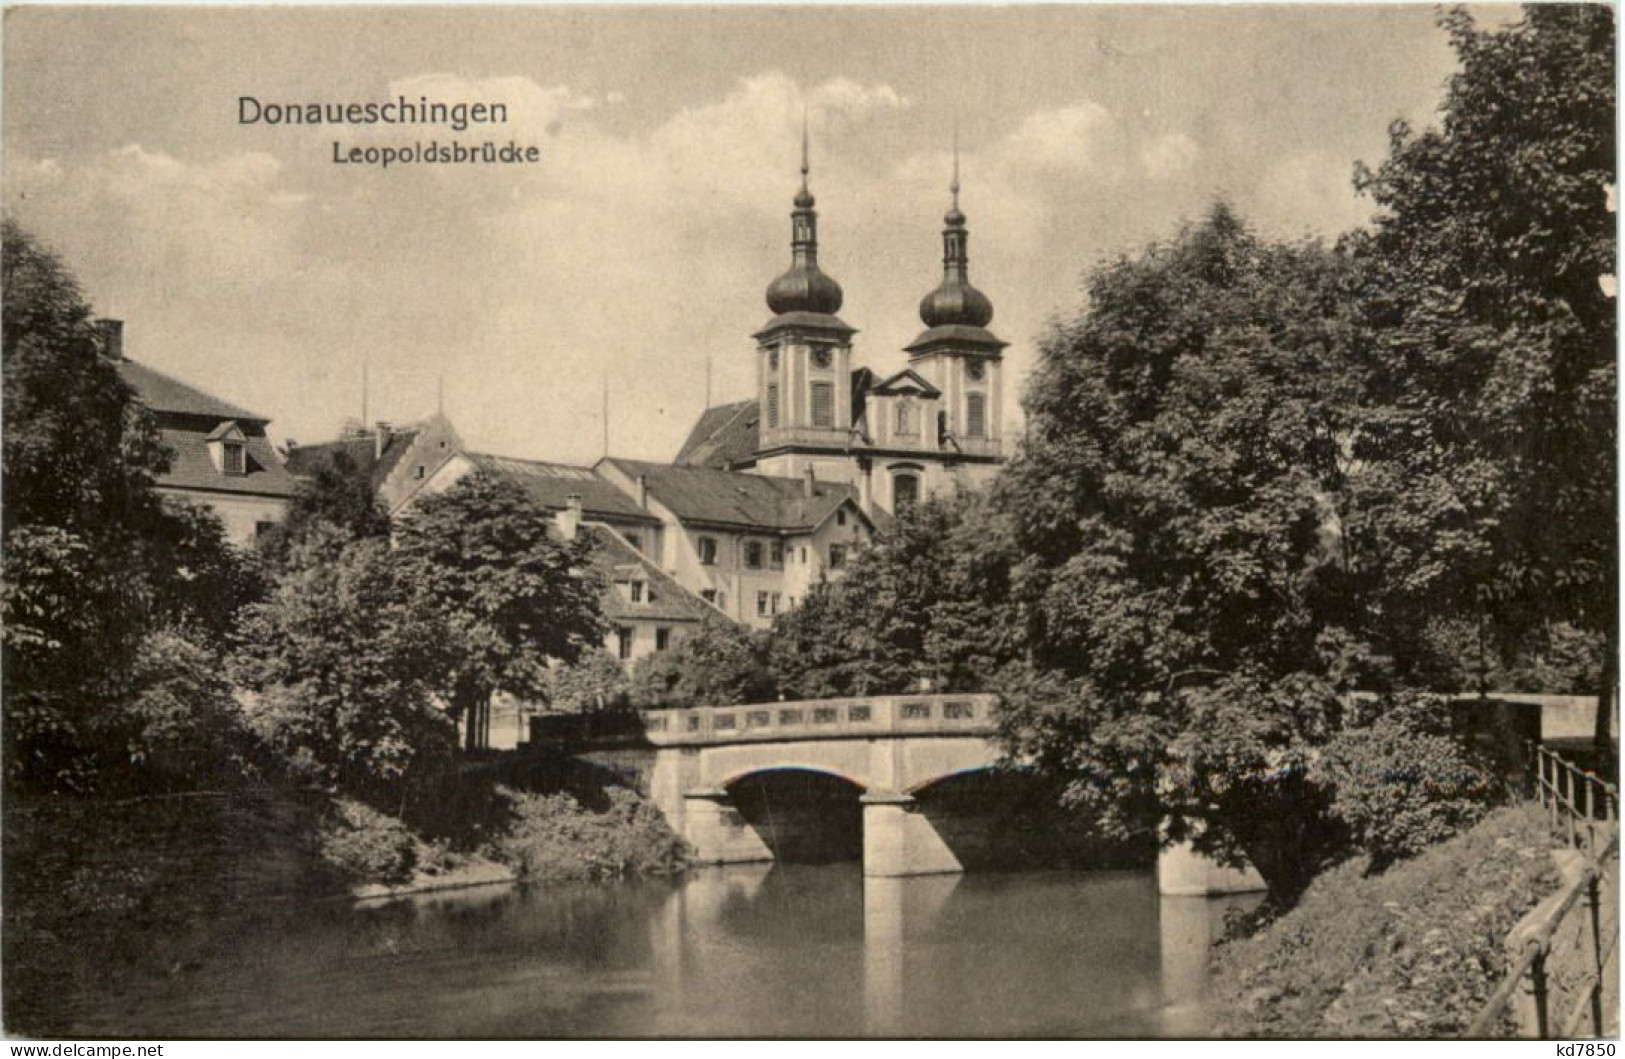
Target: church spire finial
[(804, 288), (804, 197), (955, 301), (955, 219)]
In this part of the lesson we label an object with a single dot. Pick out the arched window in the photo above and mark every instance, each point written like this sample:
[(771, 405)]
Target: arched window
[(905, 491)]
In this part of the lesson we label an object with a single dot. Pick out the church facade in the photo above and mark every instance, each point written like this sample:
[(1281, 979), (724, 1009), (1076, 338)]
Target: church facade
[(934, 427)]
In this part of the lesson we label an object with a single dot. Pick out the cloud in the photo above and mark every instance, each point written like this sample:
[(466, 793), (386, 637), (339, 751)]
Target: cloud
[(1169, 156), (1068, 138), (1309, 191)]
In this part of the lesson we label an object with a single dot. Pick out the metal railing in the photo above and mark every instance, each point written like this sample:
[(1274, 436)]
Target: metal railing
[(1570, 951), (1579, 802)]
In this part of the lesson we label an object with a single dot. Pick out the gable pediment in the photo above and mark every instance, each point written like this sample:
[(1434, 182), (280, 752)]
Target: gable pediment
[(906, 382)]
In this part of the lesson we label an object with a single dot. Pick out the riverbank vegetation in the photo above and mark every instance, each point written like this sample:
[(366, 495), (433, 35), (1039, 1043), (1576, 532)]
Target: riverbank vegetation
[(196, 731), (1414, 951)]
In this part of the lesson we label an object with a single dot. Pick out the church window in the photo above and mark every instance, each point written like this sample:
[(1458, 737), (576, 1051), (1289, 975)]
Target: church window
[(975, 416), (905, 417), (234, 461), (773, 405), (823, 404), (837, 556), (905, 492), (753, 554), (708, 551)]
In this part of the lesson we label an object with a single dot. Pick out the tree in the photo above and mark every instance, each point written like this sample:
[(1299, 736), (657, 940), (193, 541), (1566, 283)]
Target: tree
[(338, 495), (509, 596), (1195, 585), (927, 603), (719, 664), (1489, 297), (341, 660), (95, 562), (596, 683)]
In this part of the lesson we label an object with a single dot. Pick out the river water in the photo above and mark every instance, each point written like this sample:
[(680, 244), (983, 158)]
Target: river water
[(780, 950)]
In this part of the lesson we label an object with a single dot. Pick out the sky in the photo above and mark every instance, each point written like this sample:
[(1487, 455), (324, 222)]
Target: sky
[(632, 259)]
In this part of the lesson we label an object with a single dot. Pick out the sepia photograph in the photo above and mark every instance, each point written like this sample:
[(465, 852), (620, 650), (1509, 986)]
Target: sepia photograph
[(542, 522)]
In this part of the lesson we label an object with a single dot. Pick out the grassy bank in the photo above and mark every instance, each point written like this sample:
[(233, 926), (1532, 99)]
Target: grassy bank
[(1412, 952)]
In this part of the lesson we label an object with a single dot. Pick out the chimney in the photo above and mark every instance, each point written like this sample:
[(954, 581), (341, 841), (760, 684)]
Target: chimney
[(110, 335), (380, 437), (809, 482), (643, 491), (569, 520)]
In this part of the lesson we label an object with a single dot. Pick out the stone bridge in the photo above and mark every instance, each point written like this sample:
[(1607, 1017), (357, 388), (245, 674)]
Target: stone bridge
[(718, 771), (903, 781)]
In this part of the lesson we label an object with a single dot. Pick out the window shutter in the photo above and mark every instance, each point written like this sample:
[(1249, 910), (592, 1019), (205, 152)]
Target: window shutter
[(976, 416), (773, 406), (823, 404)]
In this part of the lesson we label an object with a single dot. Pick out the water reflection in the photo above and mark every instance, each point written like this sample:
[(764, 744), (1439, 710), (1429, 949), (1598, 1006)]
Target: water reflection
[(755, 950)]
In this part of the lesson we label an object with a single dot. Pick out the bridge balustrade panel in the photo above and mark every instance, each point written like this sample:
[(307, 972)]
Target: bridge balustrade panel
[(871, 717)]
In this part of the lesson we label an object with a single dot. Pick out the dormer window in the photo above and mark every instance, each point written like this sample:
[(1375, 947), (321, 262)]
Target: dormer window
[(636, 588), (228, 449)]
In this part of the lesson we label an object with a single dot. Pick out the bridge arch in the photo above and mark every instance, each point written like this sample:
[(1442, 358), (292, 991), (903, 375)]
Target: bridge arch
[(806, 815)]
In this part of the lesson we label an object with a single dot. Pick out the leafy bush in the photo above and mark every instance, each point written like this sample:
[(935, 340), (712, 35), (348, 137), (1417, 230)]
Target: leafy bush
[(1403, 782), (1412, 952), (556, 837), (366, 846), (721, 664)]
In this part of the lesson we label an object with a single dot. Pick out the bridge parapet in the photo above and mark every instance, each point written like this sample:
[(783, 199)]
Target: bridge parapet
[(868, 717)]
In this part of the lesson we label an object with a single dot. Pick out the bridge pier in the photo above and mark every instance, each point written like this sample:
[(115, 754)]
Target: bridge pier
[(713, 826), (1183, 872), (899, 840)]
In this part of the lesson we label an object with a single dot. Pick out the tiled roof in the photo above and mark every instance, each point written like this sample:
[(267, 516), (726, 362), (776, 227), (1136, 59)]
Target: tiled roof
[(161, 393), (362, 451), (663, 598), (551, 485), (704, 494), (191, 467), (724, 437)]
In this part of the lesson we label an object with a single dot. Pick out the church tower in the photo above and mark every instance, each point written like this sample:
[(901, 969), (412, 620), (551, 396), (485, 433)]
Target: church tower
[(804, 360), (956, 351)]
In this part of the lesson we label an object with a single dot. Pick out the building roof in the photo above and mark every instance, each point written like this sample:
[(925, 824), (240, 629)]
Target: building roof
[(189, 419), (192, 468), (552, 484), (958, 334), (161, 393), (734, 498), (663, 599), (362, 451), (725, 437)]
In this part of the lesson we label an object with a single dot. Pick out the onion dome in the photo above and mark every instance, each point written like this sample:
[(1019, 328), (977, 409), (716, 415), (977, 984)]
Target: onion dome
[(955, 301), (804, 288)]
